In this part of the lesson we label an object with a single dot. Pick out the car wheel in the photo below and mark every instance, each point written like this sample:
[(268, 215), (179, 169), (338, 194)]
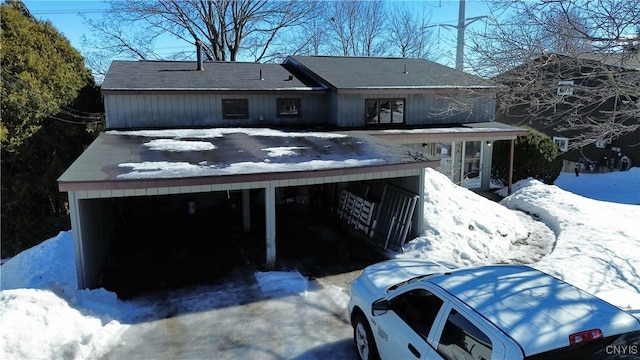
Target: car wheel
[(363, 339)]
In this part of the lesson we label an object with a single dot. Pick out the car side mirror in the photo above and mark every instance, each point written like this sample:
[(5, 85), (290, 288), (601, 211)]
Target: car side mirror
[(379, 307)]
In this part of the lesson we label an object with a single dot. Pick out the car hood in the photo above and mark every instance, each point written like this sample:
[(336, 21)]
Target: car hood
[(383, 275)]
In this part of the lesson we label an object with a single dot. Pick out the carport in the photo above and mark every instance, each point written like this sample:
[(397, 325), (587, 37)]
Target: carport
[(187, 167)]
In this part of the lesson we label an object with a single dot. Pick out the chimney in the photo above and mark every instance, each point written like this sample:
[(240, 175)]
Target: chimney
[(199, 54)]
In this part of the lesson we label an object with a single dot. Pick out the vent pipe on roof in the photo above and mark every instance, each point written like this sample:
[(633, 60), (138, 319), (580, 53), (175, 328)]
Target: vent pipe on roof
[(261, 77), (405, 69), (199, 55)]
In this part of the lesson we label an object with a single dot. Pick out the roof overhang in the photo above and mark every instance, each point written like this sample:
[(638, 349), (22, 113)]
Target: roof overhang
[(491, 131), (188, 91), (420, 90), (126, 160)]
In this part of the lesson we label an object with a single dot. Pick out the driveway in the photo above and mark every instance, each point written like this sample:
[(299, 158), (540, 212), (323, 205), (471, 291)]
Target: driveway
[(237, 319)]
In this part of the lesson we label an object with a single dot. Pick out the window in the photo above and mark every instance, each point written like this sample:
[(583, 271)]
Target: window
[(235, 108), (472, 154), (562, 142), (601, 144), (418, 308), (565, 87), (384, 111), (288, 107), (461, 339)]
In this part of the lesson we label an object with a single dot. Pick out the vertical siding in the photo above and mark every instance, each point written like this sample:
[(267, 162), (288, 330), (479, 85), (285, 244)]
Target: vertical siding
[(333, 109), (350, 110), (342, 110), (205, 110), (420, 109)]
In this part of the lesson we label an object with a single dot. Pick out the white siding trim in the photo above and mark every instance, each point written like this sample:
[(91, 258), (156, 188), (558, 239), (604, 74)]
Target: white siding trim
[(419, 209), (190, 189), (77, 239), (270, 221)]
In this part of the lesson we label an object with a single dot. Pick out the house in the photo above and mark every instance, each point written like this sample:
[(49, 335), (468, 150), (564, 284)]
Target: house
[(192, 143), (554, 93)]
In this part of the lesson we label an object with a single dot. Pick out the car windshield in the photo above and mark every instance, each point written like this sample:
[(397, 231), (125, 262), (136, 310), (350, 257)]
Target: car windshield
[(624, 346)]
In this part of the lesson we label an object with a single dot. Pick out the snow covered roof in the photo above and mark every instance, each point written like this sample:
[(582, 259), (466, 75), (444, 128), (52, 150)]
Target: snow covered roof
[(163, 158)]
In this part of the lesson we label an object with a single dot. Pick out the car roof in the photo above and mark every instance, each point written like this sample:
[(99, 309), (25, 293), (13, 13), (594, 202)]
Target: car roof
[(535, 309)]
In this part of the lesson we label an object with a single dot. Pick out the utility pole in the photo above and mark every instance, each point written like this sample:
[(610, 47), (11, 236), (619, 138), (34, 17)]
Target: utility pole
[(460, 41), (461, 27)]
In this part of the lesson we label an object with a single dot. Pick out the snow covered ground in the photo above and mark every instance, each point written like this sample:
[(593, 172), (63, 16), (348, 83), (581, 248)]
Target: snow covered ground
[(592, 244)]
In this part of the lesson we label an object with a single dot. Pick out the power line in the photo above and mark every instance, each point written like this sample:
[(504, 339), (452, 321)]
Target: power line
[(72, 11), (19, 85), (53, 117)]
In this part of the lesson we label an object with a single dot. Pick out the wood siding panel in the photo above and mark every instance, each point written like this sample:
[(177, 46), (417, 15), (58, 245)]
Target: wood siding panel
[(332, 109), (350, 110), (420, 109), (340, 109), (442, 109), (205, 110)]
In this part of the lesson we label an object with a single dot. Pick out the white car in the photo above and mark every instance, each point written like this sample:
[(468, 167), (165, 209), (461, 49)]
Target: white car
[(406, 309)]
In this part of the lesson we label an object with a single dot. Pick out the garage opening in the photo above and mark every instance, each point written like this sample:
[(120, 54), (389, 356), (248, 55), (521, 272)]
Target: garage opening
[(171, 241), (179, 240), (311, 236)]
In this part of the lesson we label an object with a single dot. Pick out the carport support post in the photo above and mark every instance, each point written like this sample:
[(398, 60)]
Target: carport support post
[(511, 155), (270, 221), (246, 210), (422, 198), (76, 232)]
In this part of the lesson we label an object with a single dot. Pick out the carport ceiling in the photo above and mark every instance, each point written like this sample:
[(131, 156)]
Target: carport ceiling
[(181, 157)]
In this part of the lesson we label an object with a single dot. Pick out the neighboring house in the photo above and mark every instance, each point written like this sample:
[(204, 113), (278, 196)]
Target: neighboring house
[(550, 92), (185, 136)]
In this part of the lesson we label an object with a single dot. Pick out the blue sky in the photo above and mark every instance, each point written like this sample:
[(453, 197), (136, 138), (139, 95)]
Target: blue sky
[(64, 15)]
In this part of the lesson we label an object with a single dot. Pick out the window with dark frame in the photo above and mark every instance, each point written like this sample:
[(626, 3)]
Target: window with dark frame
[(565, 87), (384, 111), (562, 143), (288, 107), (235, 108)]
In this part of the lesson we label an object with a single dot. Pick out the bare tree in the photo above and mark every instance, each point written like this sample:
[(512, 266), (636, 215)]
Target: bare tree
[(357, 27), (371, 29), (309, 37), (258, 30), (229, 29), (567, 64), (409, 32), (564, 32)]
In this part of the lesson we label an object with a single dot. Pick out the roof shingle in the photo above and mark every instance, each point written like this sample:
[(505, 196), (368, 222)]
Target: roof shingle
[(378, 73), (333, 71), (184, 75)]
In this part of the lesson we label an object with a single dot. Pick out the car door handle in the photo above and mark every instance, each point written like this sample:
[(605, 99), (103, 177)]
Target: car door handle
[(414, 351)]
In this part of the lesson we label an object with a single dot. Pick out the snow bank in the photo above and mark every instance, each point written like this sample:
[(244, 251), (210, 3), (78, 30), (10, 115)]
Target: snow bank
[(22, 272), (51, 327), (462, 227), (281, 282), (43, 316), (597, 241)]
